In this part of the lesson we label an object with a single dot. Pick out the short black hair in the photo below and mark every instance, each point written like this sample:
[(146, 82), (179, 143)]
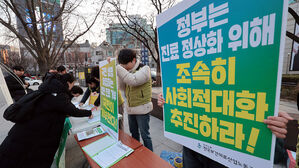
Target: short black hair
[(18, 68), (95, 72), (126, 55), (88, 80), (76, 90), (93, 80), (67, 78), (61, 68)]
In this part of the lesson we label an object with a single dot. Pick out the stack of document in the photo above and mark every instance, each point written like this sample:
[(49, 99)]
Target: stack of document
[(107, 151), (90, 133), (86, 107)]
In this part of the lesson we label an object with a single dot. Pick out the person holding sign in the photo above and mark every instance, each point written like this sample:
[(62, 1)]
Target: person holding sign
[(192, 159), (92, 92), (135, 80)]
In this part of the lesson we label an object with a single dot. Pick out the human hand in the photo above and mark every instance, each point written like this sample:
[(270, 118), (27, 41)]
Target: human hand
[(91, 116), (108, 59), (95, 108), (53, 71), (278, 124), (161, 100), (81, 104)]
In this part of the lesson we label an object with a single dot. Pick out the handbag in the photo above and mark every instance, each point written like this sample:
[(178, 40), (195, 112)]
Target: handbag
[(23, 109)]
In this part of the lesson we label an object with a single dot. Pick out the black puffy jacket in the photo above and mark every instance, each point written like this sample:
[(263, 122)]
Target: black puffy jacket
[(33, 144), (16, 89)]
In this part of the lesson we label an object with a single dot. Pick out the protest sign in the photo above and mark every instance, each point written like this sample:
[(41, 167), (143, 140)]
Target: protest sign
[(109, 103), (221, 67)]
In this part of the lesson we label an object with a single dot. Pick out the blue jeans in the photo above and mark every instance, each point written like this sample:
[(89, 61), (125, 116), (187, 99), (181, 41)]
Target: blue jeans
[(141, 123)]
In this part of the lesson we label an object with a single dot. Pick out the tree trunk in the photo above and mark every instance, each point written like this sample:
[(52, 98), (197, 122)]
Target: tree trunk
[(35, 70), (159, 82), (43, 67)]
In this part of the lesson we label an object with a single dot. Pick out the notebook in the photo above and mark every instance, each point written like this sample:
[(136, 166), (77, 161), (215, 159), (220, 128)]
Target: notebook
[(107, 151)]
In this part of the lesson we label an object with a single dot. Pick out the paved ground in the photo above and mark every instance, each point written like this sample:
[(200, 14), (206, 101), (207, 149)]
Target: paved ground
[(75, 158), (289, 107), (4, 125)]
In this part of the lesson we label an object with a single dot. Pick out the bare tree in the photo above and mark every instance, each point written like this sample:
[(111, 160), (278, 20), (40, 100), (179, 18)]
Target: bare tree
[(145, 32), (296, 17), (47, 28), (74, 57), (11, 57), (14, 59)]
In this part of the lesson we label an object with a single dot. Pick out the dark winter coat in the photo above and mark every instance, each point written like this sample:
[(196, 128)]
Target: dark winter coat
[(33, 144), (48, 75), (15, 88)]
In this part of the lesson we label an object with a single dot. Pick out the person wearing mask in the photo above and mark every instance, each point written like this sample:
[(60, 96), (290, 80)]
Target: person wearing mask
[(33, 143), (16, 83)]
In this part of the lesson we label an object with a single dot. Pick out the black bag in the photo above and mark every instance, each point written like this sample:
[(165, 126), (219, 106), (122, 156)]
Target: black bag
[(23, 109)]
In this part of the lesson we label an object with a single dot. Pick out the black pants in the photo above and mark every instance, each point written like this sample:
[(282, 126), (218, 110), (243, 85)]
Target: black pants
[(193, 159)]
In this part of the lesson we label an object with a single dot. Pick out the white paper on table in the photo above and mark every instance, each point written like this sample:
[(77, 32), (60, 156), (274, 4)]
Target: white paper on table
[(76, 103), (112, 155), (107, 151), (94, 119), (99, 145), (84, 107), (87, 107), (90, 133)]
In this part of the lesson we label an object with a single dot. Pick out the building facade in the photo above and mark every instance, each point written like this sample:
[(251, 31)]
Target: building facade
[(101, 52), (78, 55), (290, 48), (118, 38)]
